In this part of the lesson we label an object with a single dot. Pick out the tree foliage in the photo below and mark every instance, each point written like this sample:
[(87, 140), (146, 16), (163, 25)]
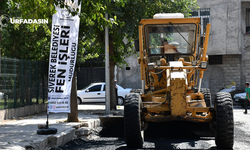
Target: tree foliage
[(123, 25), (124, 15), (32, 41)]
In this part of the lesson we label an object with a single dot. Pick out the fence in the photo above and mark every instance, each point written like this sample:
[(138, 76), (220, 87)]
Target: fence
[(91, 71), (22, 82)]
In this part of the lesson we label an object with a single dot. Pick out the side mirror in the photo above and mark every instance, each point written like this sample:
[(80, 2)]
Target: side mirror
[(87, 91), (137, 45)]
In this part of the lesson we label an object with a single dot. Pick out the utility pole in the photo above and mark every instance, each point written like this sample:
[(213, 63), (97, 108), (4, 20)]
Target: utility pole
[(107, 78)]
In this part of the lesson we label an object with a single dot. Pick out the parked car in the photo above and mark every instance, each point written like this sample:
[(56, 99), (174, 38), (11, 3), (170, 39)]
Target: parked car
[(1, 95), (95, 92), (231, 89), (240, 99)]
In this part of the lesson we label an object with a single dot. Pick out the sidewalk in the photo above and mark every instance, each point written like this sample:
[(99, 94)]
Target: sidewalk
[(18, 134)]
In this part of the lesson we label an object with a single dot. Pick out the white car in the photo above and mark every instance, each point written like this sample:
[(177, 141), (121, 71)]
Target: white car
[(95, 92), (1, 95), (231, 89)]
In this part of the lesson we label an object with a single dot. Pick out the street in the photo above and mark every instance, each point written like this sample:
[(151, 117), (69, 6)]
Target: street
[(162, 136)]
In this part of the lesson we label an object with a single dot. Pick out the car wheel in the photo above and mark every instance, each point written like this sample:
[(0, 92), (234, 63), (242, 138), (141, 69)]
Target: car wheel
[(120, 101), (79, 101)]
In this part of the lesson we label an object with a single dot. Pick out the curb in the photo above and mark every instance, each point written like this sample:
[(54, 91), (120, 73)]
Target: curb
[(59, 139), (39, 144), (62, 138)]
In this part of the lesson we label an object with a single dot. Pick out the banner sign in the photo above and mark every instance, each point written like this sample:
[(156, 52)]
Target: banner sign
[(63, 52)]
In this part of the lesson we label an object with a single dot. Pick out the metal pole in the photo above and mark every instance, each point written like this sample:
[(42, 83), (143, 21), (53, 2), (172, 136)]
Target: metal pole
[(199, 88), (107, 92), (142, 86), (15, 78)]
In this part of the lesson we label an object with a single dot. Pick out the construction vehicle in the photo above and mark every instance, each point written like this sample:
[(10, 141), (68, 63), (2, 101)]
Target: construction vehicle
[(171, 78)]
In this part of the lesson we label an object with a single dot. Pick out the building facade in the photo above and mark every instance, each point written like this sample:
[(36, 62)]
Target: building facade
[(228, 47)]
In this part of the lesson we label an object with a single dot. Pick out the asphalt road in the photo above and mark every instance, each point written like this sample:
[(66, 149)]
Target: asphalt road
[(163, 136)]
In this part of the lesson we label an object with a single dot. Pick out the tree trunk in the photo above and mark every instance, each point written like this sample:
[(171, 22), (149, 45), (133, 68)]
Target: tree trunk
[(73, 116), (112, 87), (113, 101), (0, 47), (0, 41)]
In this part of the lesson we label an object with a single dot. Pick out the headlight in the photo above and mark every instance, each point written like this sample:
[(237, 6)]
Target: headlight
[(203, 64), (194, 63), (151, 66), (242, 96)]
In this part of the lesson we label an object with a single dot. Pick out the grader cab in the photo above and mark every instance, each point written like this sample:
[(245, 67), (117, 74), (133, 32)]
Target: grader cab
[(172, 62)]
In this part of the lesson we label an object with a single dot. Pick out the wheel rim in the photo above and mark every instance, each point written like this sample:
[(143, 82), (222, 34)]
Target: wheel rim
[(120, 101), (78, 101)]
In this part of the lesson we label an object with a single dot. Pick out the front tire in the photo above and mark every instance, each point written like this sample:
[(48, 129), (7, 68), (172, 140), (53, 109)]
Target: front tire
[(134, 134), (224, 125)]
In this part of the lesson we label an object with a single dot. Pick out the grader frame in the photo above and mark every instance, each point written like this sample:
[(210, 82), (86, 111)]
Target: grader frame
[(168, 82)]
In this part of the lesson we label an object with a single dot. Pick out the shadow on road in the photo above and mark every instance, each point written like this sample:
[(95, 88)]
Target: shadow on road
[(169, 135), (165, 136)]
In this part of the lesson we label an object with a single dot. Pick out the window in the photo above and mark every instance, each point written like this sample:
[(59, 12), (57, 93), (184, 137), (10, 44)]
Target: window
[(248, 21), (170, 38), (215, 59), (204, 14), (104, 88), (95, 88)]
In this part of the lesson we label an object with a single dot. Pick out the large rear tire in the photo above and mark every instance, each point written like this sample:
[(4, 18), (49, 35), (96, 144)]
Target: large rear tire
[(207, 96), (224, 124), (134, 134)]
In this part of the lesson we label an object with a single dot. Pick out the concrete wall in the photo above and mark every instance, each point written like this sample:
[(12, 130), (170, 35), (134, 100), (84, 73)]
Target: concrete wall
[(22, 111), (217, 75), (224, 19), (228, 38), (245, 44), (130, 78)]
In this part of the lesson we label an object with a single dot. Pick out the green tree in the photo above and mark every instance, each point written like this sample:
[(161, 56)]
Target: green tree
[(3, 8), (123, 27), (124, 15)]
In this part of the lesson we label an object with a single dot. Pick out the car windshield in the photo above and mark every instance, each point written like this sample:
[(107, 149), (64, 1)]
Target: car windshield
[(170, 38)]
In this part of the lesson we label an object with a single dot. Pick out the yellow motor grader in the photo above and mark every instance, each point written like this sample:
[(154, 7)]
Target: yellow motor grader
[(172, 62)]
